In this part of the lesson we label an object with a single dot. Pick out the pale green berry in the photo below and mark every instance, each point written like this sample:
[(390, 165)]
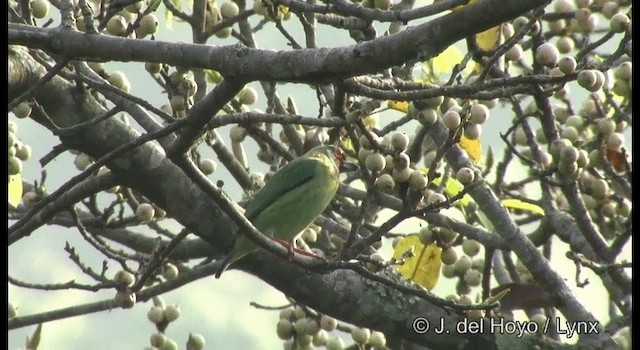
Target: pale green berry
[(124, 277), (615, 141), (472, 131), (478, 113), (153, 67), (401, 161), (382, 4), (195, 342), (583, 158), (148, 24), (335, 344), (169, 271), (29, 199), (223, 33), (436, 198), (23, 152), (599, 188), (547, 54), (507, 30), (229, 9), (519, 137), (82, 161), (569, 154), (427, 116), (472, 277), (587, 78), (328, 323), (449, 256), (575, 121), (248, 95), (237, 133), (564, 6), (377, 340), (462, 265), (606, 126), (260, 8), (360, 335), (594, 158), (446, 235), (417, 180), (478, 264), (309, 235), (465, 176), (145, 212), (568, 169), (207, 166), (320, 338), (624, 71), (401, 175), (621, 87), (363, 154), (426, 236), (22, 110), (514, 53), (399, 141), (156, 314), (557, 146), (125, 299), (433, 102), (624, 208), (40, 8), (449, 271), (287, 314), (451, 119), (375, 162), (312, 327), (565, 44), (608, 209), (157, 339), (567, 64), (299, 312), (366, 143), (385, 183), (284, 329), (470, 247), (117, 26), (119, 80), (300, 326), (619, 22), (520, 23), (570, 133), (172, 312), (169, 344)]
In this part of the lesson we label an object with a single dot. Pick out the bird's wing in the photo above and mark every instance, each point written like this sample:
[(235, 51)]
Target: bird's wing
[(296, 173)]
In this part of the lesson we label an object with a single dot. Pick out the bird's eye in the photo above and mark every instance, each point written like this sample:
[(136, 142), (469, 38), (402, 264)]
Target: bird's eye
[(339, 154)]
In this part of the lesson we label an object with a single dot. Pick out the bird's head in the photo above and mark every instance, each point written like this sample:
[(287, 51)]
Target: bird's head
[(336, 154)]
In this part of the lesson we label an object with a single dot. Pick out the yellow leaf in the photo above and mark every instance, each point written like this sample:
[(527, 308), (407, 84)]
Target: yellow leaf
[(283, 9), (444, 62), (518, 204), (473, 148), (15, 189), (488, 40), (402, 106), (452, 188), (424, 267)]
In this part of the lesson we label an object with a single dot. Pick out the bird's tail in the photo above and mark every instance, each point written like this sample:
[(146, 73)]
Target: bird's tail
[(225, 263)]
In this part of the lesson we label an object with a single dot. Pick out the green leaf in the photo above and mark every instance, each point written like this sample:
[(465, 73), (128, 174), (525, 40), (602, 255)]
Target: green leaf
[(34, 340)]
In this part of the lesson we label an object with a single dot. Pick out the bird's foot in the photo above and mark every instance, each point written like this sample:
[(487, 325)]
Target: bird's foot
[(291, 249)]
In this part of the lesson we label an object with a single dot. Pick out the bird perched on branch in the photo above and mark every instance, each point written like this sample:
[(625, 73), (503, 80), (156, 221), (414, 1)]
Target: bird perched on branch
[(292, 199)]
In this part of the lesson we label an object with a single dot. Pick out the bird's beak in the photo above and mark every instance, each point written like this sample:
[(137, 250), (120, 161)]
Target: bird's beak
[(348, 166)]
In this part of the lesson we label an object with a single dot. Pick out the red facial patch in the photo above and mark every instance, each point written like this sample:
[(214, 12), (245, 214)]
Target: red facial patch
[(339, 154)]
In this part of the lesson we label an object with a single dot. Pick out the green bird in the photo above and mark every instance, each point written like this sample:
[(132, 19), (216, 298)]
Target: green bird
[(292, 199)]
